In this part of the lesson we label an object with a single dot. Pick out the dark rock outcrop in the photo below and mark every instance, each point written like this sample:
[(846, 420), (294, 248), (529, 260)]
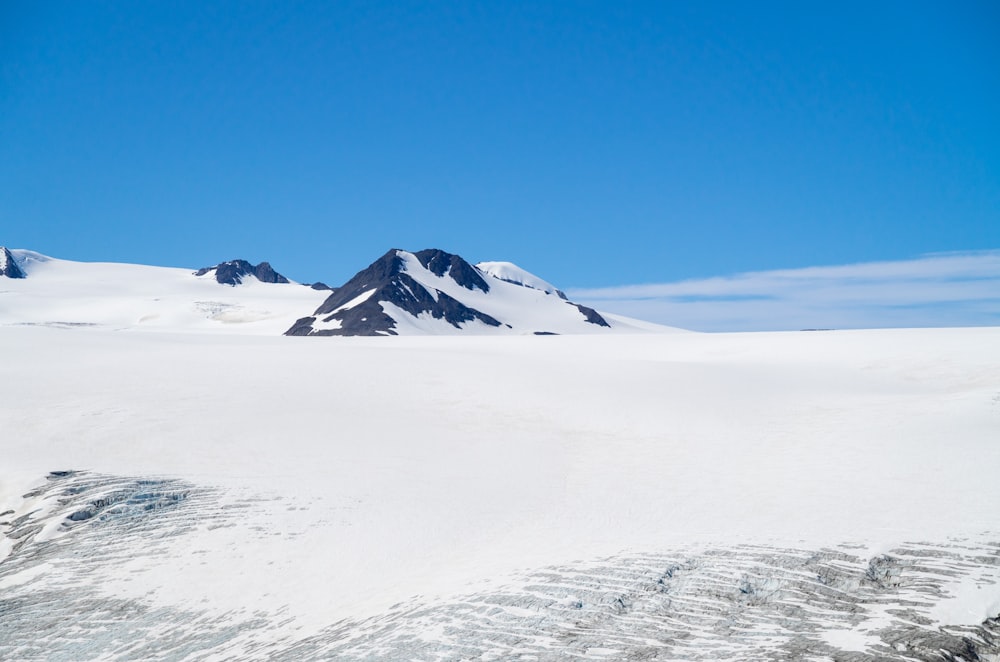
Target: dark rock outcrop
[(387, 281), (8, 265), (440, 263), (233, 272), (592, 315), (394, 288)]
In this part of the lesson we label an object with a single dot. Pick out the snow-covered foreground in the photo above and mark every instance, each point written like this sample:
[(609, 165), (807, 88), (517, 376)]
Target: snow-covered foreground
[(826, 495)]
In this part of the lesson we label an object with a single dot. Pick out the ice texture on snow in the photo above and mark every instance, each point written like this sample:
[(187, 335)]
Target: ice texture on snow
[(658, 495), (70, 597)]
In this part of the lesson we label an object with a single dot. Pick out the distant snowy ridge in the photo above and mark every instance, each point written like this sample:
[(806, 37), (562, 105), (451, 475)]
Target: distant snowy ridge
[(234, 271), (73, 295), (438, 293), (430, 292)]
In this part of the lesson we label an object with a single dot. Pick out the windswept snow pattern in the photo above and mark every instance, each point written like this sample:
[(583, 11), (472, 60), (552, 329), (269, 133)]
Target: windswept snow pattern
[(87, 534), (80, 535), (747, 603)]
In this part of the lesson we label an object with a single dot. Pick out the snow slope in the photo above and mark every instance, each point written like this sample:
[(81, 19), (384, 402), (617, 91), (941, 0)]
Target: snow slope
[(511, 273), (137, 297), (658, 496)]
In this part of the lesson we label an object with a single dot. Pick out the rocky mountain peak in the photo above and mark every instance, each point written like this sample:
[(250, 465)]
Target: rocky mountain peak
[(233, 272), (433, 291)]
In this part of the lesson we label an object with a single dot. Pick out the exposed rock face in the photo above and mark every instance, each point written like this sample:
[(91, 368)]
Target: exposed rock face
[(591, 315), (440, 263), (233, 272), (411, 286), (8, 265)]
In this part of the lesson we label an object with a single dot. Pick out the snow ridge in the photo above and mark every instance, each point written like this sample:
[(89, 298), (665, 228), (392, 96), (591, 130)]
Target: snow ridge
[(511, 273), (67, 294), (234, 271)]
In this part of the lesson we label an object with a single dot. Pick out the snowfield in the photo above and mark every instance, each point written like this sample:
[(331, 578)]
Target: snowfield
[(191, 491), (63, 293)]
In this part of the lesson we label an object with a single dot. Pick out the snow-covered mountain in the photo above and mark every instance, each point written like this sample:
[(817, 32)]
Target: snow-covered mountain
[(434, 292)]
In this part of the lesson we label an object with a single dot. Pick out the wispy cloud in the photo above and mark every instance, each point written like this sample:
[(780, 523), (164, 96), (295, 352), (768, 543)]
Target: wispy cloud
[(942, 289)]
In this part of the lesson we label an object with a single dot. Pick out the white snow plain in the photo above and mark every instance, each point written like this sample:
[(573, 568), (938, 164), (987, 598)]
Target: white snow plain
[(335, 479), (139, 297)]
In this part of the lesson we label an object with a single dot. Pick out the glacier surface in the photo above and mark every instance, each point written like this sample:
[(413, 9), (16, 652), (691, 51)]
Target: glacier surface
[(192, 488)]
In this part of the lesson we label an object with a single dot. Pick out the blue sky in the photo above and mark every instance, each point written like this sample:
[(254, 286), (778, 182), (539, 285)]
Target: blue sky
[(596, 144), (943, 289)]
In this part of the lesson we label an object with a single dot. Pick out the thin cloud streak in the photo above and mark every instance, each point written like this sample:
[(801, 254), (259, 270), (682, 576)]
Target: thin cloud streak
[(944, 289)]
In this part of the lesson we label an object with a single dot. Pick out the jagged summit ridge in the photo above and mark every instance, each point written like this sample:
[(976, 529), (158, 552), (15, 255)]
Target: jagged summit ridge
[(357, 309), (234, 271), (440, 263), (435, 292), (8, 265)]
